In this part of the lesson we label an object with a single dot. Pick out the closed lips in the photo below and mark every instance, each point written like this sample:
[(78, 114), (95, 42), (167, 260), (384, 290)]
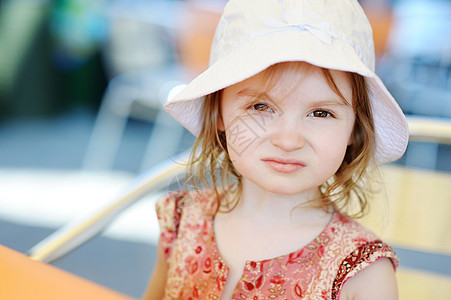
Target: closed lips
[(284, 165)]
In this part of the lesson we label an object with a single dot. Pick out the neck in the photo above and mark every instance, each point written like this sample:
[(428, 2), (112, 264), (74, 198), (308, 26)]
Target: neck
[(261, 206)]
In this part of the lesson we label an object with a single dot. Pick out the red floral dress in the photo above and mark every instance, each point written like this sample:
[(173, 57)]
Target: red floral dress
[(316, 271)]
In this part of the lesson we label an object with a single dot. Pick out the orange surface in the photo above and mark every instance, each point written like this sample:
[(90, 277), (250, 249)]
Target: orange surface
[(22, 278)]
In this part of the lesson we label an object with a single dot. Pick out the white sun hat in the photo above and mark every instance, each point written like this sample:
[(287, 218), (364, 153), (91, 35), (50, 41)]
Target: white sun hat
[(255, 34)]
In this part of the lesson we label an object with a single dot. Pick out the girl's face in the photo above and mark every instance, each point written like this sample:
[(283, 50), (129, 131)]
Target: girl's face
[(291, 138)]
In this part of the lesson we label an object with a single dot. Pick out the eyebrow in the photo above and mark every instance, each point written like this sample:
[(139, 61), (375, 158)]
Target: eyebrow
[(254, 94), (332, 102), (338, 102)]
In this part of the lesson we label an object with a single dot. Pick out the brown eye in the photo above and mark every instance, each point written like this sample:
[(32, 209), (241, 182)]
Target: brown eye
[(320, 114), (262, 107)]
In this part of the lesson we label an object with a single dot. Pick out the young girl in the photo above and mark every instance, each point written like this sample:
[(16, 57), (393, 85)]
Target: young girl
[(289, 117)]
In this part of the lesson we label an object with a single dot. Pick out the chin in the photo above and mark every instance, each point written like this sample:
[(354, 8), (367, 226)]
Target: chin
[(285, 190), (282, 186)]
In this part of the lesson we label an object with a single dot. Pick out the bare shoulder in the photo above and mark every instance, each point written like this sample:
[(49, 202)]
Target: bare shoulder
[(377, 281)]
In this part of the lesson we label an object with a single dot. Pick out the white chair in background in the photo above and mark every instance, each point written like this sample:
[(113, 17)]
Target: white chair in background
[(154, 47)]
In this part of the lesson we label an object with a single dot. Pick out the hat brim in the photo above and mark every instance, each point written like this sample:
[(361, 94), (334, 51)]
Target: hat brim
[(390, 123)]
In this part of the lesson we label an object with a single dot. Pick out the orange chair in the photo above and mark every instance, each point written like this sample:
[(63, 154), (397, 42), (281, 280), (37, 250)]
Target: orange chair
[(195, 35), (22, 278), (381, 20)]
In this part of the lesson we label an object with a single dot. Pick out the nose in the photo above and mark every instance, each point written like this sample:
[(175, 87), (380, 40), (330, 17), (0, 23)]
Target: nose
[(288, 133)]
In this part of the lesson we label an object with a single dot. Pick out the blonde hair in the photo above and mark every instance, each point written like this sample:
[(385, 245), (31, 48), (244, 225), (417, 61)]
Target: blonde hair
[(212, 168)]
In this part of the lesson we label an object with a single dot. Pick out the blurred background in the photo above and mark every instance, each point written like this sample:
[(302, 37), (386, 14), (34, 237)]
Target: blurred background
[(82, 83)]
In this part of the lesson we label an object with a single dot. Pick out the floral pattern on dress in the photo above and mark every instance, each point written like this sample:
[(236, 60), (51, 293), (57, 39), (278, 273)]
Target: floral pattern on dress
[(315, 271), (362, 257)]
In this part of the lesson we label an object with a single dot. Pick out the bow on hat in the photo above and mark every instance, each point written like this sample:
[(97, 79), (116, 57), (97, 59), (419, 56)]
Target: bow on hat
[(300, 19)]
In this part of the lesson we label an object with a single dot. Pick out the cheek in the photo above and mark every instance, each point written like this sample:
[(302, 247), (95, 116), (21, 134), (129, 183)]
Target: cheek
[(241, 137), (333, 149), (329, 163)]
